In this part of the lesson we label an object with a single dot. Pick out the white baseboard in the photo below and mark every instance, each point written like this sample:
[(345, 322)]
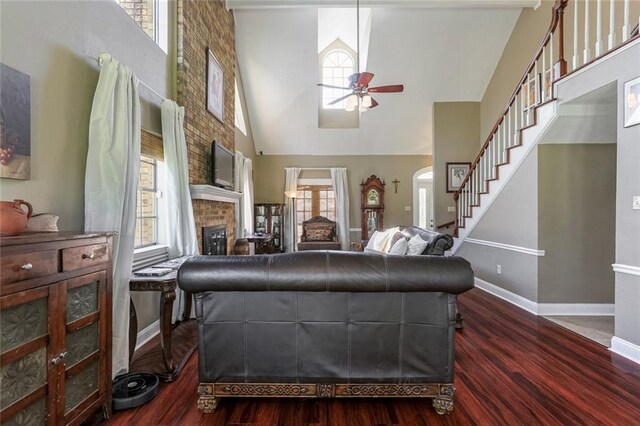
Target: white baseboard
[(147, 334), (596, 309), (510, 297), (626, 349)]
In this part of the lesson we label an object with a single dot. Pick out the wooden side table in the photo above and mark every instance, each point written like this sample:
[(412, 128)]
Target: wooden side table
[(177, 344), (264, 243)]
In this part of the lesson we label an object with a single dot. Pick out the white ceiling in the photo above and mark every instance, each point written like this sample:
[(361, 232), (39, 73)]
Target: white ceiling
[(439, 54)]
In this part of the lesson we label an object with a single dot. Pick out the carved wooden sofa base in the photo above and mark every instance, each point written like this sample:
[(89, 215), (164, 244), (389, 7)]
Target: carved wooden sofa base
[(442, 393)]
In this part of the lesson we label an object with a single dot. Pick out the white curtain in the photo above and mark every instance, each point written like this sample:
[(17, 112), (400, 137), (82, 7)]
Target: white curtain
[(111, 181), (181, 239), (341, 191), (290, 184), (244, 184)]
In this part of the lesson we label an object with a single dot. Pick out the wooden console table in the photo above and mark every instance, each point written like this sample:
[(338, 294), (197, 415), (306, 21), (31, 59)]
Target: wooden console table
[(264, 243), (177, 344)]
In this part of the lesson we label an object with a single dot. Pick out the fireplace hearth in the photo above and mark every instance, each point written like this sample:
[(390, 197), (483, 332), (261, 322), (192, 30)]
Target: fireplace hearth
[(214, 240)]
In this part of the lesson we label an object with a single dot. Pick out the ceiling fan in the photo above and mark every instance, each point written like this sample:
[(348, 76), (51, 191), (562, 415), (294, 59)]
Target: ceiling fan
[(359, 97)]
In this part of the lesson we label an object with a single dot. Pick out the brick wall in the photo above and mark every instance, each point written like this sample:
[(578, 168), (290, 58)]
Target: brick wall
[(206, 25), (142, 13)]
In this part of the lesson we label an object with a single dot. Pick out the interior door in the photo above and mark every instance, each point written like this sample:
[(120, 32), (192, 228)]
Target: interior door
[(425, 205)]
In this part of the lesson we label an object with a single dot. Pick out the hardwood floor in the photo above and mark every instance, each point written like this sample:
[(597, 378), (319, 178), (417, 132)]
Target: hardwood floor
[(512, 368)]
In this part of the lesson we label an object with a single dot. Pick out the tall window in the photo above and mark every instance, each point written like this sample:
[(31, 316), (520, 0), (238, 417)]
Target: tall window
[(337, 66), (314, 200), (152, 16), (147, 208)]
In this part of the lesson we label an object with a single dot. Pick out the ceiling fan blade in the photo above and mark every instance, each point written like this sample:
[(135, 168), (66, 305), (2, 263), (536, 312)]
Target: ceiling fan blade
[(373, 103), (394, 88), (363, 79), (342, 98), (332, 87)]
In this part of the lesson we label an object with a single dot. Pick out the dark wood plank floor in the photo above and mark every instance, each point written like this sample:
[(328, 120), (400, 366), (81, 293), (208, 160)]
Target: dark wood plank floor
[(512, 368)]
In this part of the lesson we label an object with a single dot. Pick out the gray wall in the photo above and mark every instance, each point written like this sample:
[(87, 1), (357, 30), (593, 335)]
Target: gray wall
[(269, 180), (577, 190), (56, 43), (621, 67), (456, 131), (512, 219)]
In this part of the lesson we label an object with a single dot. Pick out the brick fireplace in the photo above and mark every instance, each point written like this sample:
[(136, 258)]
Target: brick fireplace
[(201, 26)]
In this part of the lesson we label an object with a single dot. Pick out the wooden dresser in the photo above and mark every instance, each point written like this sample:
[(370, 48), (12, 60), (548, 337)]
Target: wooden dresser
[(55, 337)]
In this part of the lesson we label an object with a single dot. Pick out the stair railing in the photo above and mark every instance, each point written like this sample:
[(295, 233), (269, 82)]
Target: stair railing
[(536, 88)]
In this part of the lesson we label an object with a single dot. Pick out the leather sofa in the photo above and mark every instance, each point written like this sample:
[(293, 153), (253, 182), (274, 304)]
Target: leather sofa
[(326, 324)]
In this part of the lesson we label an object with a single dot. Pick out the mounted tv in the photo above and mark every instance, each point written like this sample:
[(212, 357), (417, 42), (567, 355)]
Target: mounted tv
[(222, 163)]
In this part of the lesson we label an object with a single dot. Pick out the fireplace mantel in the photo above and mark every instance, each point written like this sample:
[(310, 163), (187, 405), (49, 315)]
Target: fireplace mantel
[(213, 193)]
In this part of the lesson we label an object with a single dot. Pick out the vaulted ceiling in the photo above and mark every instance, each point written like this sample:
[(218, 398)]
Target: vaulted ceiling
[(439, 54)]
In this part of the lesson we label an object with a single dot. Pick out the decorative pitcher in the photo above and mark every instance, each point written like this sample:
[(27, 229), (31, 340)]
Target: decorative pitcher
[(13, 219)]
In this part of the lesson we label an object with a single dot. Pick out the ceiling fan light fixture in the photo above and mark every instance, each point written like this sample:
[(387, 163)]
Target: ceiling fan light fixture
[(351, 104), (366, 101)]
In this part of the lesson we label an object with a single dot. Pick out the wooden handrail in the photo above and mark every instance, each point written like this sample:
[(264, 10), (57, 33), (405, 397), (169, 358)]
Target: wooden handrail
[(557, 71), (446, 225), (557, 17)]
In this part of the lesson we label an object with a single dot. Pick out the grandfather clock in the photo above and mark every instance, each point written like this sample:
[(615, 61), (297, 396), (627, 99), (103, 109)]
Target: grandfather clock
[(372, 205)]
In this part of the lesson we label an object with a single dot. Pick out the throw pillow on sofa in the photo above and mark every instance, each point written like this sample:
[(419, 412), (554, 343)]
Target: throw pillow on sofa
[(319, 234), (416, 246), (400, 247)]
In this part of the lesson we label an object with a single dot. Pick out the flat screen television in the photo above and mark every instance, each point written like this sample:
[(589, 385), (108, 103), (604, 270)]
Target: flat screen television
[(222, 161)]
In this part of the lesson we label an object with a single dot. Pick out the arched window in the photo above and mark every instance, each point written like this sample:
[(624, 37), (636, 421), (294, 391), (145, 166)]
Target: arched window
[(337, 66)]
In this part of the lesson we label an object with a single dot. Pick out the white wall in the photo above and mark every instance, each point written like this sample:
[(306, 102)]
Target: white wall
[(55, 43)]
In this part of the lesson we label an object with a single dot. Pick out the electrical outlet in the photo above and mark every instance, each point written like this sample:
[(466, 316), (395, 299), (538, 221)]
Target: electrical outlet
[(451, 209), (499, 268), (407, 208), (636, 202)]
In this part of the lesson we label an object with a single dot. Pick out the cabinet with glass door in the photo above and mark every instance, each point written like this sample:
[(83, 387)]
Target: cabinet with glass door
[(268, 219)]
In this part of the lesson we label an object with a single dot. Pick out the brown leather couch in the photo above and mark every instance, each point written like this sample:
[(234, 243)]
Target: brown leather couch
[(326, 324)]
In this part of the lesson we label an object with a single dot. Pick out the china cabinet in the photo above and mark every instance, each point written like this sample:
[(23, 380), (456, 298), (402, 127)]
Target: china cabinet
[(269, 219), (55, 310)]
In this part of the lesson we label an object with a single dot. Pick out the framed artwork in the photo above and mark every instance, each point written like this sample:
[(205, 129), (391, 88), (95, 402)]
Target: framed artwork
[(15, 124), (632, 102), (456, 173), (215, 87), (531, 92), (548, 83)]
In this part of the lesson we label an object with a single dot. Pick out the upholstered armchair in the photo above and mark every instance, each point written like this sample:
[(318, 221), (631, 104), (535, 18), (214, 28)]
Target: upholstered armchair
[(318, 233)]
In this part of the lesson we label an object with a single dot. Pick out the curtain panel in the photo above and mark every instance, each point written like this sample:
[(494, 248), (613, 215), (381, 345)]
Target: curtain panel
[(341, 191), (181, 237), (111, 182), (290, 184), (244, 184)]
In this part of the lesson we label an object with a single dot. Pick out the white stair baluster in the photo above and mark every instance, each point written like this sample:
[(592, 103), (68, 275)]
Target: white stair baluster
[(544, 74), (612, 25), (626, 26), (587, 52), (599, 44), (508, 144), (551, 59), (536, 82), (575, 35)]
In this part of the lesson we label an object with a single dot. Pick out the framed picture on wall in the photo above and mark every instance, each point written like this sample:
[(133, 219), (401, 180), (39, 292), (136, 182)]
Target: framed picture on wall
[(15, 124), (456, 173), (632, 102), (215, 87)]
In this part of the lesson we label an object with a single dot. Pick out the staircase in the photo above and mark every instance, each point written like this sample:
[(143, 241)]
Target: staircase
[(532, 108)]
